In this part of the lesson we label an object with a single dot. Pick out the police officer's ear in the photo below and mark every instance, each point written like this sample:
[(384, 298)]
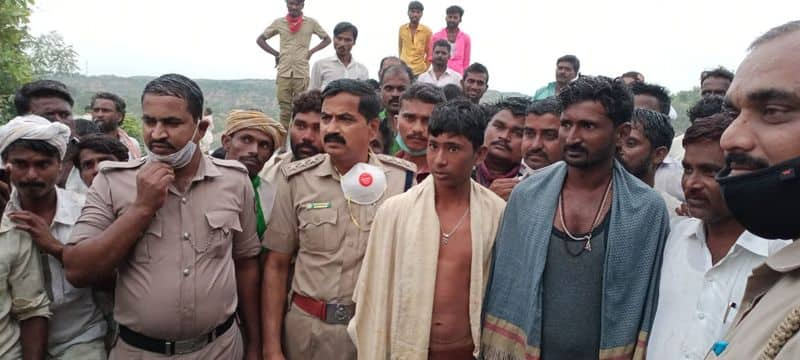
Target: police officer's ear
[(374, 127), (202, 127)]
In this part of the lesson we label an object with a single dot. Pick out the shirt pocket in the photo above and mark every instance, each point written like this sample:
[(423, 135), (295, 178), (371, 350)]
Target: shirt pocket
[(141, 252), (318, 232), (222, 224)]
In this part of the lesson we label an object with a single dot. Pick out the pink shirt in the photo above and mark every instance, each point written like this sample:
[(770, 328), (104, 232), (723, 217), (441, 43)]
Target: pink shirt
[(459, 55)]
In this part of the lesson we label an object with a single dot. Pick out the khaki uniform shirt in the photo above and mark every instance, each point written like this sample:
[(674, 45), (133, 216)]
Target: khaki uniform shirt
[(772, 293), (271, 168), (312, 219), (179, 280), (293, 61)]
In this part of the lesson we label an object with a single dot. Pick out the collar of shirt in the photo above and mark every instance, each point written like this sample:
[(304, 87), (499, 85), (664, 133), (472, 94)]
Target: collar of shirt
[(68, 208), (326, 168), (787, 259), (353, 62), (206, 169), (746, 240), (447, 72)]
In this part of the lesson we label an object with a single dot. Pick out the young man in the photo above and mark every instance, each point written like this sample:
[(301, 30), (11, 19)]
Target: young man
[(567, 68), (416, 106), (708, 257), (251, 137), (108, 112), (704, 107), (415, 40), (445, 226), (499, 171), (33, 149), (645, 147), (760, 188), (650, 96), (475, 82), (588, 238), (460, 43), (92, 150), (304, 138), (322, 217), (177, 231), (541, 145), (715, 82), (341, 65), (439, 74), (394, 82), (295, 31)]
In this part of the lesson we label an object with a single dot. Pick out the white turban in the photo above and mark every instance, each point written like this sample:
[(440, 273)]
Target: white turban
[(34, 127)]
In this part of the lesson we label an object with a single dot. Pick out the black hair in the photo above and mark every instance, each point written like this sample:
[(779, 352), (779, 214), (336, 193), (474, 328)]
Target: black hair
[(178, 86), (369, 104), (545, 106), (38, 146), (100, 143), (452, 91), (657, 91), (633, 74), (614, 95), (415, 5), (345, 26), (397, 69), (459, 117), (517, 105), (219, 153), (706, 107), (427, 93), (707, 129), (85, 127), (307, 101), (455, 9), (39, 89), (374, 83), (119, 103), (572, 59), (719, 72), (776, 32), (655, 126), (442, 43), (477, 68)]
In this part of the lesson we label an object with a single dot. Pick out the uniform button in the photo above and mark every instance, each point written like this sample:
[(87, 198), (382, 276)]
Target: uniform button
[(186, 236), (186, 272), (183, 200)]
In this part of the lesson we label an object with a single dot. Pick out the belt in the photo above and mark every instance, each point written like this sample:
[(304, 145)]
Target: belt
[(169, 348), (329, 313)]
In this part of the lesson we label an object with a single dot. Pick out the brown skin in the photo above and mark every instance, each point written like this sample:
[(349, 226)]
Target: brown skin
[(564, 74), (504, 140), (393, 86), (714, 86), (304, 135), (250, 147), (412, 125), (106, 116), (452, 20), (475, 85), (55, 109), (451, 158), (541, 145), (386, 64), (701, 163), (89, 161), (33, 337), (294, 8), (441, 55), (343, 44), (590, 139), (639, 157), (648, 102), (767, 99)]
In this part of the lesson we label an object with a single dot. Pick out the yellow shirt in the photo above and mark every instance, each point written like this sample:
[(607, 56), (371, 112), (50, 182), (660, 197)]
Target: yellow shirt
[(414, 48)]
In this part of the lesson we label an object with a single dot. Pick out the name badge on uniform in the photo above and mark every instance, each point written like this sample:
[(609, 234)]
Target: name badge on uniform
[(318, 205)]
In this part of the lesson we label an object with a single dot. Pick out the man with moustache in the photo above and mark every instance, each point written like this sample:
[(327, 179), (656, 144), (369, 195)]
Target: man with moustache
[(415, 40), (460, 43), (499, 170), (715, 82), (708, 257), (567, 68), (439, 74), (342, 65), (588, 238), (177, 232), (417, 104), (322, 217), (108, 112), (394, 82), (475, 82), (251, 137), (304, 138), (760, 187), (541, 145)]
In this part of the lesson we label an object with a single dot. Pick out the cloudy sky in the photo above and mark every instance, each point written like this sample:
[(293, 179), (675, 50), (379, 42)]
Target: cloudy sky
[(671, 42)]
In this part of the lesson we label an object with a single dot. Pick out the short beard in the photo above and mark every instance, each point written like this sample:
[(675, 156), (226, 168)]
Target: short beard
[(108, 127)]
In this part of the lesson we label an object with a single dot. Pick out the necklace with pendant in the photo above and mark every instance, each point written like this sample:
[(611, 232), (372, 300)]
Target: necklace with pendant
[(446, 236), (588, 237)]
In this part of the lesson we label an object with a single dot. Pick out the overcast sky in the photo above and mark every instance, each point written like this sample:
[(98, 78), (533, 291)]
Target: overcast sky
[(671, 42)]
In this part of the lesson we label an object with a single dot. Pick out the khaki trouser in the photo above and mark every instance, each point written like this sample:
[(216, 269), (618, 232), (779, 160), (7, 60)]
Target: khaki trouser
[(288, 88), (92, 350), (229, 346), (309, 338)]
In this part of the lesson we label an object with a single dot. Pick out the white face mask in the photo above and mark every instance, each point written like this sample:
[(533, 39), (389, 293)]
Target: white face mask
[(181, 157), (364, 184)]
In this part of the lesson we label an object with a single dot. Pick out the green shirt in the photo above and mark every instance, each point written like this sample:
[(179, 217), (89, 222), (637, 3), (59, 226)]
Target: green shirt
[(261, 225), (545, 92)]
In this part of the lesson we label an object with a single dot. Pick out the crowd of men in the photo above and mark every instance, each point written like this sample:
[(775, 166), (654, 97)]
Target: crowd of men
[(405, 219)]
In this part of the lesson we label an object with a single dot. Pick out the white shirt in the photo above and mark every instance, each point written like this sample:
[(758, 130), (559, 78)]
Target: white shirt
[(694, 295), (671, 202), (331, 68), (75, 183), (668, 178), (449, 76), (676, 151)]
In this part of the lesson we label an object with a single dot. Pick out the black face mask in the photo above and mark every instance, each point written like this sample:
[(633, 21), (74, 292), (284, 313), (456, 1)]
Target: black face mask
[(766, 201)]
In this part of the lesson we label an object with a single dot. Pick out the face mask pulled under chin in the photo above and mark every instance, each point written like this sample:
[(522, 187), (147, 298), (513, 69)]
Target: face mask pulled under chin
[(181, 157), (766, 201)]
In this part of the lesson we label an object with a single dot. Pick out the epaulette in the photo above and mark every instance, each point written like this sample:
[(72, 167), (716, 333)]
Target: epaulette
[(231, 164), (405, 164), (296, 167), (107, 166)]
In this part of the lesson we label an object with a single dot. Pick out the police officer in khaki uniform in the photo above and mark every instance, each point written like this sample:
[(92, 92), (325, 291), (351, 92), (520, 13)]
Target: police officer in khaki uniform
[(762, 189), (178, 231), (322, 214)]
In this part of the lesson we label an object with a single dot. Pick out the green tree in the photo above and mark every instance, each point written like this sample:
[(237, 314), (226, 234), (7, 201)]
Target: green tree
[(682, 101), (133, 127), (51, 55), (15, 66)]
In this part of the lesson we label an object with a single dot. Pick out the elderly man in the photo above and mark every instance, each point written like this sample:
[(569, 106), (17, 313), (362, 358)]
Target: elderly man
[(251, 137)]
